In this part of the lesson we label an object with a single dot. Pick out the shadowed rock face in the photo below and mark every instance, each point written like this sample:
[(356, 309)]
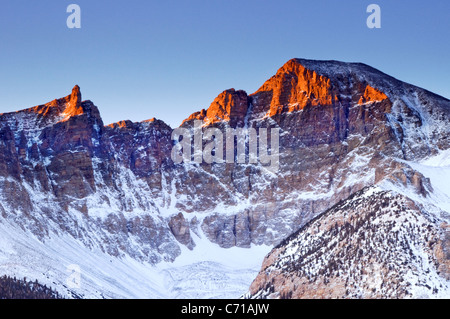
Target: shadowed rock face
[(343, 126)]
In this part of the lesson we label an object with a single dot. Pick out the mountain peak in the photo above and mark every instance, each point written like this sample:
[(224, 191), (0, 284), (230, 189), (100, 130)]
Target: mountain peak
[(58, 110), (73, 103), (76, 94), (297, 84), (293, 87), (230, 106), (76, 89)]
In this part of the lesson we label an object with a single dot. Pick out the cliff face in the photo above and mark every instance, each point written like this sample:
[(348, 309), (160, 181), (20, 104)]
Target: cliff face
[(230, 106), (343, 126), (292, 89)]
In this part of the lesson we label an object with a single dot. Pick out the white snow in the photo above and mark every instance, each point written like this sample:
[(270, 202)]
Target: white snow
[(437, 169), (209, 271), (206, 272)]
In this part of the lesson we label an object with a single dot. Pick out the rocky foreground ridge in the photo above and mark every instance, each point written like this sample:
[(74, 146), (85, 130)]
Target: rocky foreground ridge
[(375, 244), (343, 127)]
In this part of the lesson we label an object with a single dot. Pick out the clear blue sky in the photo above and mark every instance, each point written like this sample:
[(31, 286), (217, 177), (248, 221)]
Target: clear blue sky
[(139, 59)]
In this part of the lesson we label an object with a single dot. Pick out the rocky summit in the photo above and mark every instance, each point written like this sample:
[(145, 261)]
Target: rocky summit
[(115, 191)]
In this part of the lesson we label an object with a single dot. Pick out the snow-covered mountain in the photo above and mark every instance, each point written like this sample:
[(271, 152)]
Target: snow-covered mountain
[(110, 199), (375, 244)]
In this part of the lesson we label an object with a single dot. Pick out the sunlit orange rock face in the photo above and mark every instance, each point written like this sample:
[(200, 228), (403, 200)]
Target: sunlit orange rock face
[(201, 115), (372, 95), (292, 88), (150, 120), (65, 107), (230, 106), (73, 101), (121, 124)]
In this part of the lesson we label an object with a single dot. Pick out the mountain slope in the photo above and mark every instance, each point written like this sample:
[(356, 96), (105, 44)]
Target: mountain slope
[(113, 192), (375, 244)]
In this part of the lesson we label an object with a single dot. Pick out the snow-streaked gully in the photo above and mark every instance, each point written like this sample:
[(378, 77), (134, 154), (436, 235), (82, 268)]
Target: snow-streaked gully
[(251, 145)]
